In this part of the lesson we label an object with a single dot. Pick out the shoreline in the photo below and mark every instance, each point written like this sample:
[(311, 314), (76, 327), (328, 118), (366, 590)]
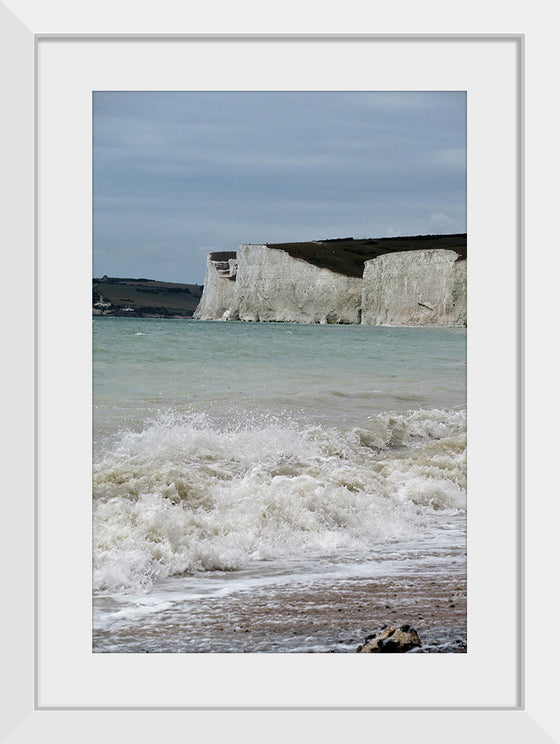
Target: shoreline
[(324, 473), (324, 616), (130, 316)]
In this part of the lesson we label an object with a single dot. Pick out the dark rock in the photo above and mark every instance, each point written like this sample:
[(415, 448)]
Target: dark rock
[(392, 639)]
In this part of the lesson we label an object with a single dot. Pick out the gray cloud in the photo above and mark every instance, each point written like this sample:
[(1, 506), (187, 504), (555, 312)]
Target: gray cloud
[(175, 173)]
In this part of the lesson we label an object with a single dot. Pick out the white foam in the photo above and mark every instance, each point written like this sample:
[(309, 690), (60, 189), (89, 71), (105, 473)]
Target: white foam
[(187, 495)]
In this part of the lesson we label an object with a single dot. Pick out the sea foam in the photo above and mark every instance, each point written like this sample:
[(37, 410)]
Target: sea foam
[(188, 494)]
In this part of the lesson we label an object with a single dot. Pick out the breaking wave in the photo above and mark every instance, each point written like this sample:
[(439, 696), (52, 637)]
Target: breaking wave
[(187, 494)]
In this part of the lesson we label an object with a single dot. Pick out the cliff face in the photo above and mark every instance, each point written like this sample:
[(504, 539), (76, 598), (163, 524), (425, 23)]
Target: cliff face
[(425, 287), (420, 284), (219, 287), (273, 286), (460, 293)]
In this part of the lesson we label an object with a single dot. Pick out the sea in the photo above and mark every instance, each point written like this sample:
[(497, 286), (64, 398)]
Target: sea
[(276, 487)]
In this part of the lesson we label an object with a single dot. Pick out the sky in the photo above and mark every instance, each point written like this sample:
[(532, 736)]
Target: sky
[(177, 175)]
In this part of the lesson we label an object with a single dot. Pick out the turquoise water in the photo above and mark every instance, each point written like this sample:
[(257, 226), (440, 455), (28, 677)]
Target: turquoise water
[(327, 373), (230, 458)]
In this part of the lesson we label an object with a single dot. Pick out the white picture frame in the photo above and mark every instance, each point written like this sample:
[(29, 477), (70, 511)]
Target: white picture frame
[(532, 716)]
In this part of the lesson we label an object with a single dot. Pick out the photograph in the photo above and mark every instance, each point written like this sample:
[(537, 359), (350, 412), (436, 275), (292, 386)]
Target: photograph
[(279, 309)]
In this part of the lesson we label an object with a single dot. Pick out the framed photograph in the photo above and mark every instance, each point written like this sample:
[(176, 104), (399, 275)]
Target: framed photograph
[(484, 689)]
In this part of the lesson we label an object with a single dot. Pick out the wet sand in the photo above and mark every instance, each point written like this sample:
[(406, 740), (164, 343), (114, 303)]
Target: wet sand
[(323, 616)]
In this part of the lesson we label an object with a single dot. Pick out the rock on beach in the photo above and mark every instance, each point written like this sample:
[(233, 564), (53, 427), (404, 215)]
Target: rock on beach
[(392, 639)]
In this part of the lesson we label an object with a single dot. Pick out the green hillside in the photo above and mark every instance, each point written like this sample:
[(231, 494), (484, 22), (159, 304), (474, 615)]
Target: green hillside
[(144, 298)]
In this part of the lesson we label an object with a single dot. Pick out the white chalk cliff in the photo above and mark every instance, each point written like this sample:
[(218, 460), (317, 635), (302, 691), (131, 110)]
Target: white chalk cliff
[(274, 286), (219, 287), (423, 287), (403, 287)]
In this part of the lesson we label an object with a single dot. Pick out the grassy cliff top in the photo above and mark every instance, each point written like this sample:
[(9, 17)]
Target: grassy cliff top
[(347, 256), (222, 255)]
